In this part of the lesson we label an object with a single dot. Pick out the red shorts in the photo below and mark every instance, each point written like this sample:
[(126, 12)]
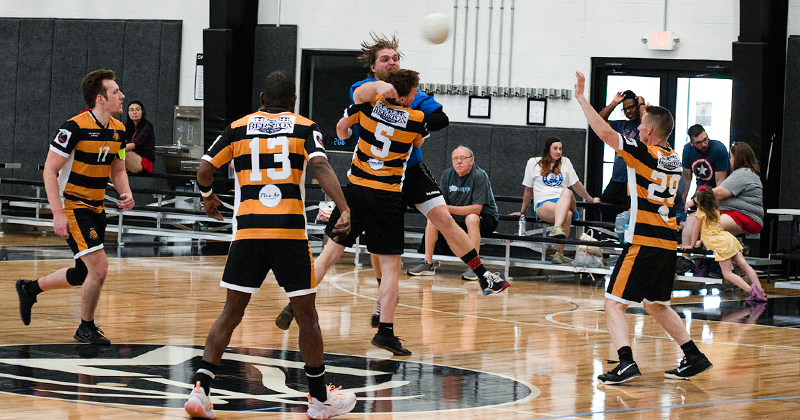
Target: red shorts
[(747, 224), (147, 166)]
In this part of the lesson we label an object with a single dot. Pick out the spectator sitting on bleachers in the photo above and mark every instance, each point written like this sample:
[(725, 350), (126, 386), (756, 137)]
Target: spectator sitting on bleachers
[(141, 147), (547, 180), (469, 197)]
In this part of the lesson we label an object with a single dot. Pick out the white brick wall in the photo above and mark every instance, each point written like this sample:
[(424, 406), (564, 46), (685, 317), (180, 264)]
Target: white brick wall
[(552, 38)]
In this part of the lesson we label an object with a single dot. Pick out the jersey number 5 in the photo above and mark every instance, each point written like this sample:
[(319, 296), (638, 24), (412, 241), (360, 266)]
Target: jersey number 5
[(661, 184), (283, 157), (382, 131)]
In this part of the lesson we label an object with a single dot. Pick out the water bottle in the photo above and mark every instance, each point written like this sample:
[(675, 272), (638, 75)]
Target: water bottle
[(522, 228)]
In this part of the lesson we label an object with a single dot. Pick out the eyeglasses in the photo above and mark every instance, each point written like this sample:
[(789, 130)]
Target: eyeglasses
[(461, 158)]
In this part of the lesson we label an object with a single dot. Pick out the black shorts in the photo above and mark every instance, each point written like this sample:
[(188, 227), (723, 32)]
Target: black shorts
[(487, 224), (376, 213), (87, 229), (420, 190), (249, 262), (643, 273)]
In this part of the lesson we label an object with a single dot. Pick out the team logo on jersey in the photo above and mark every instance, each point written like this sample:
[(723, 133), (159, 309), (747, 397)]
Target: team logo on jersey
[(318, 139), (553, 180), (392, 116), (249, 379), (702, 169), (63, 136), (93, 234), (663, 211), (258, 125), (270, 196), (631, 140), (116, 136), (375, 164), (669, 162)]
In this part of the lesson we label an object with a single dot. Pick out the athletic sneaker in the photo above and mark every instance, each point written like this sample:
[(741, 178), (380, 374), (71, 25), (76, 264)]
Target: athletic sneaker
[(335, 405), (496, 284), (690, 366), (391, 343), (91, 335), (284, 319), (469, 275), (26, 302), (558, 258), (557, 232), (683, 265), (756, 295), (376, 315), (621, 373), (199, 405), (423, 269)]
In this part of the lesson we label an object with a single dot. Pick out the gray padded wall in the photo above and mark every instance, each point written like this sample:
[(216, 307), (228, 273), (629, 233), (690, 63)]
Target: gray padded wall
[(275, 49), (32, 132), (435, 152), (145, 55), (791, 127), (9, 47)]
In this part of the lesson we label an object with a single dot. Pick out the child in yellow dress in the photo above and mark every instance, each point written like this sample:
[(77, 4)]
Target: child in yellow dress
[(725, 246)]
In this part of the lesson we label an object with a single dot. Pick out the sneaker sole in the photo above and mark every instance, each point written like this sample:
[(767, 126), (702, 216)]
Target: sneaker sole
[(196, 410), (492, 292), (686, 378), (619, 382), (97, 343), (469, 278), (395, 352), (347, 409), (421, 273)]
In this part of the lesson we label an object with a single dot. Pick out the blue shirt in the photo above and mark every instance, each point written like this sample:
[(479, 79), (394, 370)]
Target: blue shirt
[(422, 102), (704, 165), (629, 129)]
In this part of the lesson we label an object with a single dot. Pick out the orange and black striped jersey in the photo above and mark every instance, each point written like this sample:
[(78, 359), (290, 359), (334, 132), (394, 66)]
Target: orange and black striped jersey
[(90, 149), (385, 139), (654, 173), (269, 154)]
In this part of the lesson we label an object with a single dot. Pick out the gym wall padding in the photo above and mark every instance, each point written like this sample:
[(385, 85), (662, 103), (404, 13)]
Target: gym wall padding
[(275, 49), (44, 61)]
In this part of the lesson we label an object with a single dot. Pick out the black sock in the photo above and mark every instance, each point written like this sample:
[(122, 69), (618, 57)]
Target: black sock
[(379, 280), (690, 349), (88, 324), (205, 374), (625, 355), (386, 329), (316, 382), (32, 288), (473, 261)]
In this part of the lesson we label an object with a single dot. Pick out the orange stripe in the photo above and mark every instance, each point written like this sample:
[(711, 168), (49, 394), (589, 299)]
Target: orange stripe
[(93, 146), (288, 206), (655, 242), (242, 146), (384, 171), (636, 164), (271, 234), (87, 193), (313, 273), (224, 156), (71, 205), (75, 230), (654, 219), (376, 185), (95, 171), (624, 273), (366, 148)]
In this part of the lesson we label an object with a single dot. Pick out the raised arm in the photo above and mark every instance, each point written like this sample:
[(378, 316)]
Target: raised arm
[(608, 109), (367, 91), (598, 124)]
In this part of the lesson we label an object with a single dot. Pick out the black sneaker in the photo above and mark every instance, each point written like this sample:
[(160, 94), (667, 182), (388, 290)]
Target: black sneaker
[(391, 343), (495, 285), (690, 366), (91, 335), (621, 373), (284, 319), (26, 302), (683, 265)]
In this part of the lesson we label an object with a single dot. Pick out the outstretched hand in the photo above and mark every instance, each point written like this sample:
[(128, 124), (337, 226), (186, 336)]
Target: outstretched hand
[(581, 84), (211, 204)]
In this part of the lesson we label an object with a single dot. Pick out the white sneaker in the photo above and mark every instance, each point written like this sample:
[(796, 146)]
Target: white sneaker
[(199, 405), (335, 405)]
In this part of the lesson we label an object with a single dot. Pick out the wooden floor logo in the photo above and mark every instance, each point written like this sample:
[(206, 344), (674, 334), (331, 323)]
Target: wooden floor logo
[(248, 379)]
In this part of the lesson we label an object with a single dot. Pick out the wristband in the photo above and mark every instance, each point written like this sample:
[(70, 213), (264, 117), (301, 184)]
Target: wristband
[(205, 191), (206, 194)]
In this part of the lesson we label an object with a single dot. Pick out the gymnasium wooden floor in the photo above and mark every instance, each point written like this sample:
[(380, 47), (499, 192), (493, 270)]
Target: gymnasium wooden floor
[(530, 354)]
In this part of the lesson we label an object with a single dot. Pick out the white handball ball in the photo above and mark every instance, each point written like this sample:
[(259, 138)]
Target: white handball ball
[(436, 28)]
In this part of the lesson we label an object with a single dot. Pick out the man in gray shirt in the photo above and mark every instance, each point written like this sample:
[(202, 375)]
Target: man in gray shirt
[(468, 193)]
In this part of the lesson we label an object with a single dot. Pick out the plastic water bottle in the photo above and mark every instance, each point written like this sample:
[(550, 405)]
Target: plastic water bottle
[(522, 228)]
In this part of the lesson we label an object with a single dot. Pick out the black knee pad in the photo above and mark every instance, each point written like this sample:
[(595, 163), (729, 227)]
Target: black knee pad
[(76, 276)]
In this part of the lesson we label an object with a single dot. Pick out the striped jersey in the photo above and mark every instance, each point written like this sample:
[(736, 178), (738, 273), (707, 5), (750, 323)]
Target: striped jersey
[(269, 154), (89, 149), (384, 143), (654, 173)]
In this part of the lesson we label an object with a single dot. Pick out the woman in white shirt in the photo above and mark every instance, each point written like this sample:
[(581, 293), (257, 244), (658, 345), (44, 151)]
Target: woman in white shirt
[(547, 180)]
